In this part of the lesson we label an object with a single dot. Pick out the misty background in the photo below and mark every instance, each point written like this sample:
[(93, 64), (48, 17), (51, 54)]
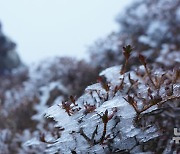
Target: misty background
[(44, 28)]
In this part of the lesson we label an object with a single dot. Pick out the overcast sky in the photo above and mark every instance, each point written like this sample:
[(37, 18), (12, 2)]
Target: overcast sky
[(43, 28)]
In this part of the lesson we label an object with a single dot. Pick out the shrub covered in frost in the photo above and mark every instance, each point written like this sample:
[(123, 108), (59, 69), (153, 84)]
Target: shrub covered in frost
[(125, 112)]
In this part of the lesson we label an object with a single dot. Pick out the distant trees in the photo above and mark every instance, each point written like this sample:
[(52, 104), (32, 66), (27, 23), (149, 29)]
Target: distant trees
[(9, 58), (148, 25), (25, 94)]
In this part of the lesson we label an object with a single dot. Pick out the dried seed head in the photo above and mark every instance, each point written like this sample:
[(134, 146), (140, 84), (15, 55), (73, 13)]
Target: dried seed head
[(126, 51), (142, 59)]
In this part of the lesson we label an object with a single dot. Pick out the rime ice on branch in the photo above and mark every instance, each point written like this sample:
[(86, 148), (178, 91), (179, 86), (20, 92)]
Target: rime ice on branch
[(118, 113)]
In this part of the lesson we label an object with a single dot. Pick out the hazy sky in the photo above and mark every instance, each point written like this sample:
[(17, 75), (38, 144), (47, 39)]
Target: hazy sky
[(43, 28)]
